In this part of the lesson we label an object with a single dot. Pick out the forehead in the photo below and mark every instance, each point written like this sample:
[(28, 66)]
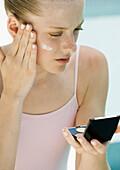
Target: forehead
[(66, 13)]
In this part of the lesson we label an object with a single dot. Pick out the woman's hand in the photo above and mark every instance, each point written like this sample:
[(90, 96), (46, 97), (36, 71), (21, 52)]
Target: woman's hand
[(18, 68), (83, 146), (118, 129)]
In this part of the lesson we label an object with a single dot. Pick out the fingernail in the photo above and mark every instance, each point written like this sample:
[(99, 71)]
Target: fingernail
[(80, 139), (33, 46), (65, 133), (27, 27), (93, 143), (32, 34), (22, 26)]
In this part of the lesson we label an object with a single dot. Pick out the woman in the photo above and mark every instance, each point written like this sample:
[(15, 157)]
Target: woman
[(49, 83)]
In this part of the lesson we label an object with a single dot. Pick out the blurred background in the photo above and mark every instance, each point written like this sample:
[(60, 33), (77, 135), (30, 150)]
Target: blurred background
[(101, 31)]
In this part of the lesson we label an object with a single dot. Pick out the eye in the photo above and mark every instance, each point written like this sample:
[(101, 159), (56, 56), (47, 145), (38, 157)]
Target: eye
[(58, 35), (78, 29)]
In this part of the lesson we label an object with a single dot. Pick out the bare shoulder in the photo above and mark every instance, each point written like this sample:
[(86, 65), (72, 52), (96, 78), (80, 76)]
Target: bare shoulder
[(92, 73), (92, 63), (91, 58)]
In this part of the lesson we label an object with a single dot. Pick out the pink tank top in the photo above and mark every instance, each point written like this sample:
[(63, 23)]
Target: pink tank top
[(41, 144)]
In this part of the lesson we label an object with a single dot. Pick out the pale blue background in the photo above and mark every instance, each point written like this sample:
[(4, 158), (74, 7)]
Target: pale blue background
[(102, 8), (102, 31)]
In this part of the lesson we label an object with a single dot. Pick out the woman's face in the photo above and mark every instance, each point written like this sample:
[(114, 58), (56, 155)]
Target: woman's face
[(55, 43)]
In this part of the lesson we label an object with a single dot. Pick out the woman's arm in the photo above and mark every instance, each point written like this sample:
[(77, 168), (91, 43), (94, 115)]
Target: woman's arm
[(92, 68), (98, 162), (93, 106), (10, 120), (18, 70)]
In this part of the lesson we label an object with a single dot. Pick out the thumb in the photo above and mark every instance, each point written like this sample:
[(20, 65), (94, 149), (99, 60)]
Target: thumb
[(2, 57), (118, 129)]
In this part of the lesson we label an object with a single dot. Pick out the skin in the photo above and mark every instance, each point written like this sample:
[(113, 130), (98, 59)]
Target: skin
[(93, 67), (66, 44), (48, 71)]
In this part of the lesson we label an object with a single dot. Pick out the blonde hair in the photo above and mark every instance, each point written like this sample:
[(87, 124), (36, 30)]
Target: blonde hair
[(21, 8)]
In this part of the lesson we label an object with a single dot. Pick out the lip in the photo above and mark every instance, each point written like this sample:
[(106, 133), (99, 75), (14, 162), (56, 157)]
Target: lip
[(63, 60)]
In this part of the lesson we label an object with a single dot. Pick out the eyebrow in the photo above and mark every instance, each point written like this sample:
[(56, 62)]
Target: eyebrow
[(66, 28)]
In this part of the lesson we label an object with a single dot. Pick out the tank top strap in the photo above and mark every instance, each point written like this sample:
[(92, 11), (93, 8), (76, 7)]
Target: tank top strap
[(76, 66)]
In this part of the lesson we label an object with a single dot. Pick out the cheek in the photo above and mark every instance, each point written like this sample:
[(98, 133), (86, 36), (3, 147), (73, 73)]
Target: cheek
[(46, 43), (47, 47)]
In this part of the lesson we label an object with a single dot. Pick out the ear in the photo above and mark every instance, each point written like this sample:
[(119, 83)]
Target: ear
[(12, 25)]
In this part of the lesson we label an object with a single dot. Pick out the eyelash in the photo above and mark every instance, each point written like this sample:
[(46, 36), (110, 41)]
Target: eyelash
[(77, 29)]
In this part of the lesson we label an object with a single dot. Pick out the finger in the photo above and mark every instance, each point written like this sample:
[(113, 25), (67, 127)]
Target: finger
[(86, 145), (100, 148), (14, 47), (118, 129), (32, 59), (2, 57), (71, 140), (28, 50), (23, 44)]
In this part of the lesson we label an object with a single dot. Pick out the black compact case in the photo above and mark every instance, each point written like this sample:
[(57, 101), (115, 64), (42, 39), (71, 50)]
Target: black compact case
[(74, 130), (101, 128)]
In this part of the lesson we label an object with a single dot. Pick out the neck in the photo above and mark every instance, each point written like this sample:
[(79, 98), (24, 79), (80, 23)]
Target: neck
[(42, 76)]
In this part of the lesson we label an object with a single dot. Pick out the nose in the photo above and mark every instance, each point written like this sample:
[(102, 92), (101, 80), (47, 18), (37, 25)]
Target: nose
[(70, 45)]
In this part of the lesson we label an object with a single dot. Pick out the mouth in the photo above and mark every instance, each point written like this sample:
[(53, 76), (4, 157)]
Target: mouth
[(63, 60)]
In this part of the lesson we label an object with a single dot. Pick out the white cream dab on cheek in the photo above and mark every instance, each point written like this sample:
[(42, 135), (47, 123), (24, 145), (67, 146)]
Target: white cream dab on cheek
[(45, 47)]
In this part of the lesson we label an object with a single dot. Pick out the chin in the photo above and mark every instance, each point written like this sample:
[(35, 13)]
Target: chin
[(56, 70)]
